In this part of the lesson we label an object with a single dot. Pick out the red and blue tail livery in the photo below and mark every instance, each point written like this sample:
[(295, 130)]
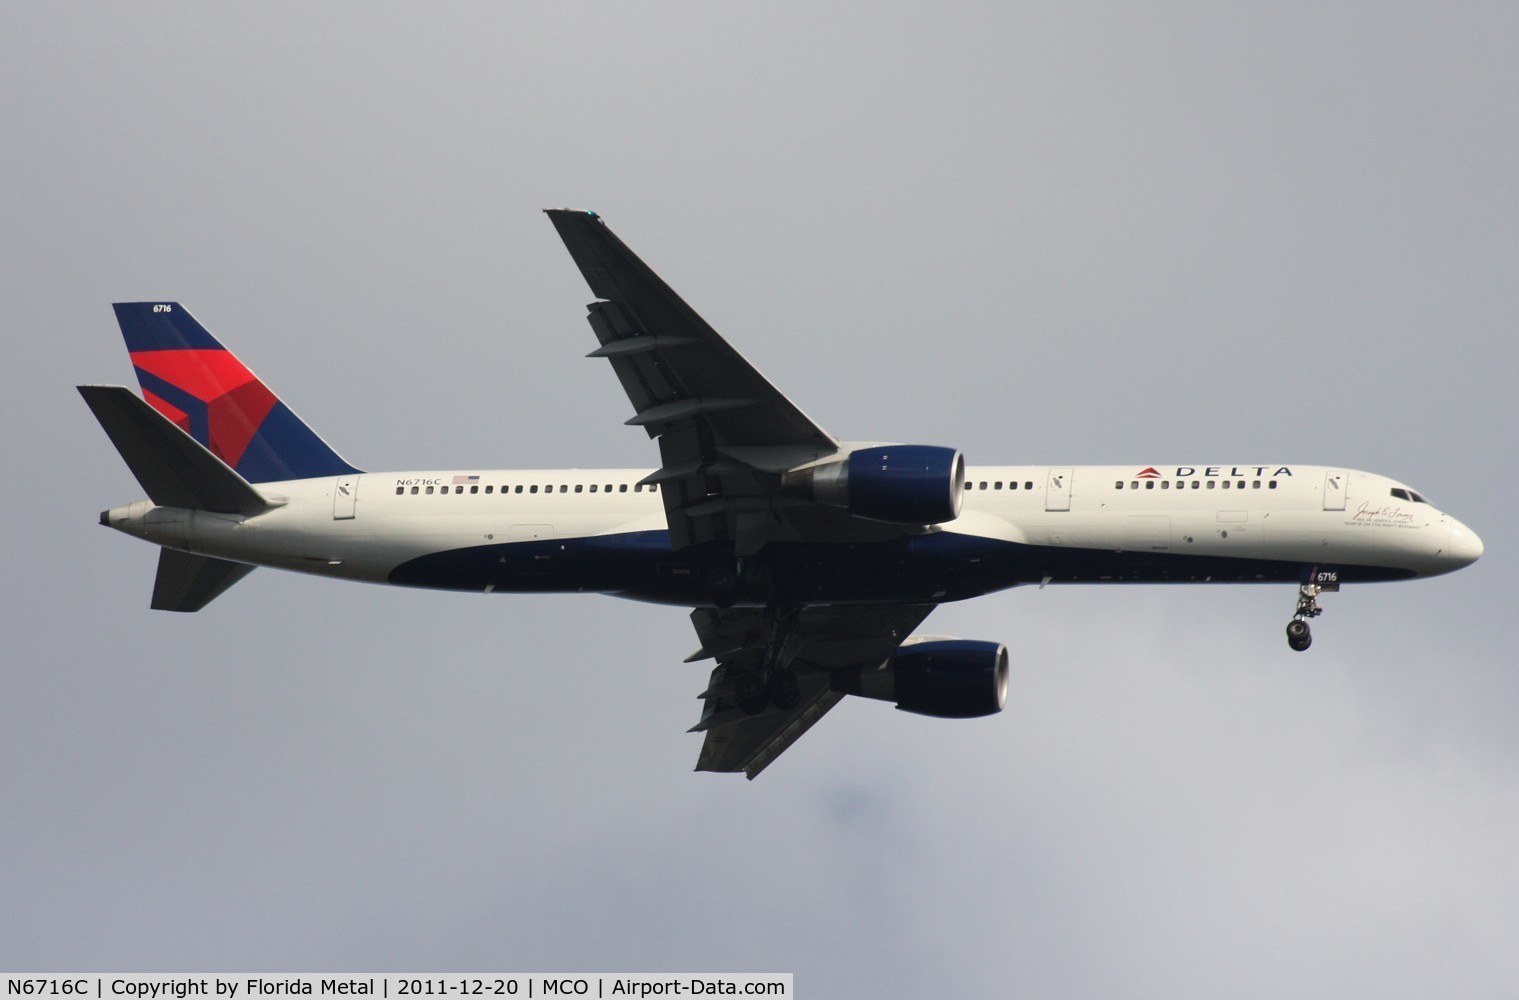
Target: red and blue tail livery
[(199, 385)]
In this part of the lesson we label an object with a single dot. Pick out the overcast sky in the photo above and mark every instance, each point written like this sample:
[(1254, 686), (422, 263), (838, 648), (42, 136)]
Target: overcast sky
[(1147, 234)]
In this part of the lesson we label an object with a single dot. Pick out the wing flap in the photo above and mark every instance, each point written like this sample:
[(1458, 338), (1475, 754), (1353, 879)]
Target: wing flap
[(725, 433), (665, 349), (751, 743)]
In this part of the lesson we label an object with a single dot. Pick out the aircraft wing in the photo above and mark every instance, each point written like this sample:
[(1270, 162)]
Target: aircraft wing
[(807, 642), (725, 433)]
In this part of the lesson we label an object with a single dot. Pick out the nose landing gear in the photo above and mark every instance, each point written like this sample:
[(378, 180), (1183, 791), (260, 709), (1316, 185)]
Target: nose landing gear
[(1299, 635)]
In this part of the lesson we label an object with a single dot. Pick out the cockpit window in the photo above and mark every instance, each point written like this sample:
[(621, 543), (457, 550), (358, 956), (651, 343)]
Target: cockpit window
[(1408, 495)]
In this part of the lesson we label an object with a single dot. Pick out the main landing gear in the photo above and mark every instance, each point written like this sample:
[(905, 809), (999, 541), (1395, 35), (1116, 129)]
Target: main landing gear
[(772, 681), (747, 580), (759, 689), (1299, 635)]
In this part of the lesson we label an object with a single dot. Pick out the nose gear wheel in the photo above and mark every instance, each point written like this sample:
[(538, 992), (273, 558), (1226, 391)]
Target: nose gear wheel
[(1299, 635)]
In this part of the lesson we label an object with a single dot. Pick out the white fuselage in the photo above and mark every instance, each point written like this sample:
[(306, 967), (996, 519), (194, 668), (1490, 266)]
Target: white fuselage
[(583, 529)]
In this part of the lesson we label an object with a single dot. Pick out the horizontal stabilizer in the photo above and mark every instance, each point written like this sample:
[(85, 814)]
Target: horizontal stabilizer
[(174, 468), (189, 582)]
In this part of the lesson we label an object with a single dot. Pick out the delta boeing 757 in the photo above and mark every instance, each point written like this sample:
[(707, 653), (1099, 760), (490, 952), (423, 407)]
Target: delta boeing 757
[(808, 562)]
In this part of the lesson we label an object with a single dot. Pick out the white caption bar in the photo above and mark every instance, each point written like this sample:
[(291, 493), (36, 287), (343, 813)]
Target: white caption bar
[(486, 986)]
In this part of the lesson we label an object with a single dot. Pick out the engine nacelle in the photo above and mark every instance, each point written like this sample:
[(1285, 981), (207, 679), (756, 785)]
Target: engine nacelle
[(898, 484), (947, 678)]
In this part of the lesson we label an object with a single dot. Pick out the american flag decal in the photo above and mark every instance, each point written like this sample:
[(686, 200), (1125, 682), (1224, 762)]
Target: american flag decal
[(465, 480)]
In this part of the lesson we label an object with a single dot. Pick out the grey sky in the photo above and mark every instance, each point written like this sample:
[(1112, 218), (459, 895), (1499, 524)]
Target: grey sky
[(1103, 234)]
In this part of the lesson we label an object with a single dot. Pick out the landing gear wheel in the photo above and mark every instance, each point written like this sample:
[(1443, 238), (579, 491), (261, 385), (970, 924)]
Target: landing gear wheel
[(751, 692), (755, 582), (1299, 635), (722, 583), (785, 690)]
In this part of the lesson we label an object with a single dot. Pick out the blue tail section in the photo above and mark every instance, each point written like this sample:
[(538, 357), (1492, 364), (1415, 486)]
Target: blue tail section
[(189, 377)]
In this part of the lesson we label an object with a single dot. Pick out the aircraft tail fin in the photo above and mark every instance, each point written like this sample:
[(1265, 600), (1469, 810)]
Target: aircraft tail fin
[(173, 468), (202, 388), (188, 582)]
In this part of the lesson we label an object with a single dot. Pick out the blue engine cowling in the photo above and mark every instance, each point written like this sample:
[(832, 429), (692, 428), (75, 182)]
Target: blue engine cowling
[(898, 484), (946, 678)]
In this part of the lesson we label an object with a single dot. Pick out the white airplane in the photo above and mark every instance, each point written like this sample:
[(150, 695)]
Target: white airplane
[(808, 562)]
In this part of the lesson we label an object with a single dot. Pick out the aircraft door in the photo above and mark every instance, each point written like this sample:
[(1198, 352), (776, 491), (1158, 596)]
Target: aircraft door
[(1057, 490), (1336, 486), (345, 498)]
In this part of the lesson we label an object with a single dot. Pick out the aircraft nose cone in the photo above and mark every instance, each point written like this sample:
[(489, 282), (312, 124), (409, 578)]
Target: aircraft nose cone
[(1465, 547)]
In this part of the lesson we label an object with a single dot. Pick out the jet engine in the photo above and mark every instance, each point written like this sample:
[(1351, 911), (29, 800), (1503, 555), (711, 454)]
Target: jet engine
[(947, 678), (898, 484)]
